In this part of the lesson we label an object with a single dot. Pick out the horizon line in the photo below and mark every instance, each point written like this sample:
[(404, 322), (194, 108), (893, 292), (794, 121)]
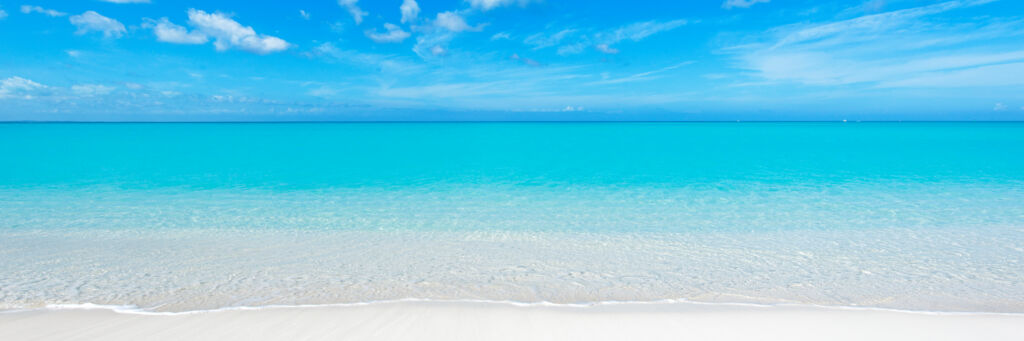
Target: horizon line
[(525, 121)]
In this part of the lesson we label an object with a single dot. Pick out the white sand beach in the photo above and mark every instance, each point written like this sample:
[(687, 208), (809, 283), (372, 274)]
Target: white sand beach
[(414, 320)]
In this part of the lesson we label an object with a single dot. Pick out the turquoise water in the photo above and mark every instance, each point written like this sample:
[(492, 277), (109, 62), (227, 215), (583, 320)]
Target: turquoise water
[(317, 156), (198, 216)]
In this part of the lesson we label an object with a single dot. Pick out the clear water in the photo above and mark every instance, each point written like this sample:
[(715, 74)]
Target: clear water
[(199, 216)]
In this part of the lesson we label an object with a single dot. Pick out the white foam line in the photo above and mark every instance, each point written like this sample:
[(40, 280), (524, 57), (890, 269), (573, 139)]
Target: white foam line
[(130, 309)]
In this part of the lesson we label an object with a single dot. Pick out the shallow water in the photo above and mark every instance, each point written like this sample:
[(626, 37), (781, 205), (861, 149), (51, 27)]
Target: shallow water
[(175, 217)]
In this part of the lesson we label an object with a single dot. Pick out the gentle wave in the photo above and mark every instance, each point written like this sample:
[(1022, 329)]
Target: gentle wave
[(128, 309)]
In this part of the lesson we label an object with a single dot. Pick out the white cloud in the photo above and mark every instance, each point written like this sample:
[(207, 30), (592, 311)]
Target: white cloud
[(17, 87), (304, 14), (3, 14), (604, 48), (36, 9), (88, 90), (541, 40), (337, 27), (354, 10), (515, 83), (433, 42), (323, 91), (601, 41), (637, 31), (127, 1), (486, 5), (91, 21), (74, 53), (410, 10), (970, 76), (643, 76), (432, 45), (394, 34), (437, 50), (453, 22), (730, 4), (434, 38), (494, 86), (823, 68), (1000, 107), (850, 29), (383, 63), (899, 48), (228, 33), (225, 32), (527, 61), (572, 49), (168, 32), (500, 36)]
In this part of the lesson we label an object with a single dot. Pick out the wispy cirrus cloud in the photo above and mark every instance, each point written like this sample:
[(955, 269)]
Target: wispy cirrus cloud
[(388, 64), (855, 29), (912, 47), (478, 82), (527, 61), (542, 40), (573, 41), (642, 76), (434, 37), (730, 4), (433, 44), (975, 75), (487, 5), (636, 31)]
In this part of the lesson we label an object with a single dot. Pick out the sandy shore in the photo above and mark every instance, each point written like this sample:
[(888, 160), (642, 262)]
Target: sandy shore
[(497, 321)]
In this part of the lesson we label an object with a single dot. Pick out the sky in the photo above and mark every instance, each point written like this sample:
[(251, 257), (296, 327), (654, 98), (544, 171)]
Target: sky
[(420, 60)]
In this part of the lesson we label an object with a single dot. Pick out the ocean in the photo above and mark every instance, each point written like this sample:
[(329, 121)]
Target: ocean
[(200, 216)]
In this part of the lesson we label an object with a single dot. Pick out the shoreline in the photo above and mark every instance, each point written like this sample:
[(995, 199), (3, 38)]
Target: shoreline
[(951, 270), (135, 310), (424, 319)]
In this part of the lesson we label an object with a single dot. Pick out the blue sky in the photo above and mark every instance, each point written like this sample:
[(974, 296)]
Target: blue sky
[(511, 59)]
